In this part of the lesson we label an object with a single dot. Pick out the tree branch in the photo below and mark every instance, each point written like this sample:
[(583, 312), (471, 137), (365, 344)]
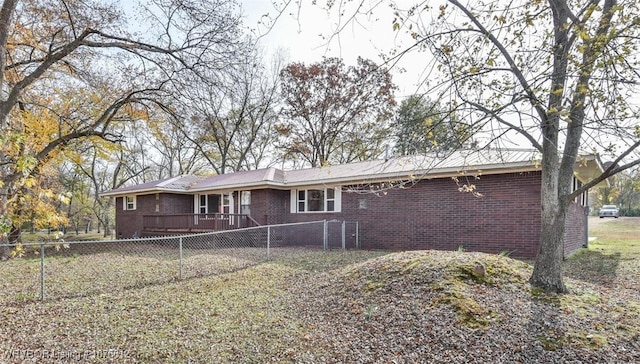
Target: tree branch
[(531, 96)]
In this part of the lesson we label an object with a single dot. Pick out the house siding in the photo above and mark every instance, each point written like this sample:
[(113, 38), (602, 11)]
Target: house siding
[(432, 214), (270, 206), (575, 234), (175, 204), (129, 223)]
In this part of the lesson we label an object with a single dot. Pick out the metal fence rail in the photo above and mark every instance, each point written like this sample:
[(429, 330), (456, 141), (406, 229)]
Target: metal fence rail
[(70, 269)]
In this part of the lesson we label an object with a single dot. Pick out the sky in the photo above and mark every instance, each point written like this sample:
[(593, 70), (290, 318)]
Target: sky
[(305, 36)]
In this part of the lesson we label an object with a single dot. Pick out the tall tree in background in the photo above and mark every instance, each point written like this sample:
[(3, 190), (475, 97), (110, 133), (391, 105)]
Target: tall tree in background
[(334, 113), (230, 120), (58, 56), (558, 74), (177, 152), (78, 194), (106, 166), (422, 126)]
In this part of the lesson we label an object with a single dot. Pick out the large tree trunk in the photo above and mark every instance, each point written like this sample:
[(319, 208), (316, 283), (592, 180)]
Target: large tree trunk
[(14, 237), (547, 271), (6, 13)]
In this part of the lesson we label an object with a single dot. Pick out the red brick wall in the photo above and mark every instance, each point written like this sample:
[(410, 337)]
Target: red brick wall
[(129, 223), (433, 214), (269, 206), (278, 206), (175, 204), (259, 200), (575, 234)]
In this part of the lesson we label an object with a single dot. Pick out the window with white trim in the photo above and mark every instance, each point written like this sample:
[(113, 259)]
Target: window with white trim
[(581, 199), (214, 203), (129, 203), (202, 206), (316, 200), (245, 202)]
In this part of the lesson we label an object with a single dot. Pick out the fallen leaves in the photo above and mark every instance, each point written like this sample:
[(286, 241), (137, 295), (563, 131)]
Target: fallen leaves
[(326, 307), (430, 307)]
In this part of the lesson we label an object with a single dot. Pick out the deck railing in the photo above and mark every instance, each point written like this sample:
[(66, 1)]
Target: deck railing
[(197, 222)]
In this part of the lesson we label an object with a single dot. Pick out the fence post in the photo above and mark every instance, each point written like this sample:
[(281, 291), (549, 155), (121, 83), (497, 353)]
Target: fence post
[(268, 240), (344, 233), (180, 249), (325, 233), (42, 271)]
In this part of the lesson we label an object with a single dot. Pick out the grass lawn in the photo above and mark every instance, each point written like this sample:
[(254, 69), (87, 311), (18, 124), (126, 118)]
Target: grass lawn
[(613, 255), (354, 306), (613, 236)]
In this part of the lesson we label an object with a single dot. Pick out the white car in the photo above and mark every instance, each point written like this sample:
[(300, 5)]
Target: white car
[(608, 211)]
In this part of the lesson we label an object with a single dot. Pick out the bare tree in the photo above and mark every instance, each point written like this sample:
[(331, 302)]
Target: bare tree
[(231, 123), (555, 74), (77, 190), (176, 153)]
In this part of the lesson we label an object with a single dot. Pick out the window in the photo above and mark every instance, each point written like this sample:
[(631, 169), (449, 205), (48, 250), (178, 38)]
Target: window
[(225, 204), (245, 202), (214, 203), (331, 199), (581, 199), (203, 204), (316, 200), (129, 203), (302, 198)]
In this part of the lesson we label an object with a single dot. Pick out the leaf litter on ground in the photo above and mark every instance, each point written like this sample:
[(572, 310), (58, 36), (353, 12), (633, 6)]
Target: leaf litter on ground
[(338, 307)]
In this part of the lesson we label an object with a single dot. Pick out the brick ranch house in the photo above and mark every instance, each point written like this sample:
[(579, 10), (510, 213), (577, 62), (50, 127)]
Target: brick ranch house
[(404, 203)]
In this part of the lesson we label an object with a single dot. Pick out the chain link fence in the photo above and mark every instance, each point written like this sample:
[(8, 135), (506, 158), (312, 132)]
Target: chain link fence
[(71, 269)]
